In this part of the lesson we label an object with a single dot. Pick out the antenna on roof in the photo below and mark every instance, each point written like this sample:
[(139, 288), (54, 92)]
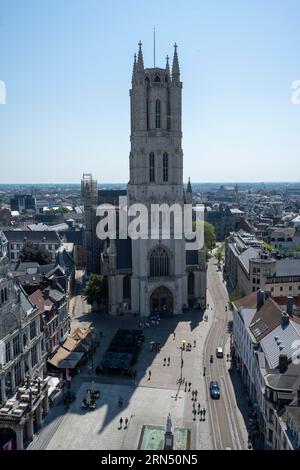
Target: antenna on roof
[(154, 46)]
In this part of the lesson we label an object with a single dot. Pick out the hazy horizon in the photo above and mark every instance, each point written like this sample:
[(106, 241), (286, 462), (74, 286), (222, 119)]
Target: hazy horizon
[(67, 68)]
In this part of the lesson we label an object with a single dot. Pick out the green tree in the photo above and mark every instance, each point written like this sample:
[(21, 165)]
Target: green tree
[(96, 290), (268, 246), (218, 256), (209, 234)]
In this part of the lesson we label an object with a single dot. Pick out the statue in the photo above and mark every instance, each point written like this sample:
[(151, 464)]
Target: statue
[(169, 438)]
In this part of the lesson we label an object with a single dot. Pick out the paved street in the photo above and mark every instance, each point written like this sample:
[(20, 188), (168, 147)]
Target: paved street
[(148, 402), (226, 417)]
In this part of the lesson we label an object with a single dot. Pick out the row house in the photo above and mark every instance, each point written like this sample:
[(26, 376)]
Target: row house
[(264, 339)]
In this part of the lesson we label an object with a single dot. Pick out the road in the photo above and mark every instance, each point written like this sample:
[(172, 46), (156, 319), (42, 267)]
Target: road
[(226, 428)]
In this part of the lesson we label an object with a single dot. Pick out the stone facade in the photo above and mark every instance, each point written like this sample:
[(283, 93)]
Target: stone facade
[(148, 274)]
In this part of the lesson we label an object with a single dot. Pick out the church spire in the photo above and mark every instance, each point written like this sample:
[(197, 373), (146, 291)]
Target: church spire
[(175, 67), (134, 68), (140, 61), (168, 66)]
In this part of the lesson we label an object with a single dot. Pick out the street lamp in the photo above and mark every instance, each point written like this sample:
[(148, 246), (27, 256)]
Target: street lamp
[(183, 342)]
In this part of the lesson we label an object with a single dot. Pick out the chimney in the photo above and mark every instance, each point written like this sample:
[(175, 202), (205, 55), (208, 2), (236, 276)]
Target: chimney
[(46, 293), (289, 305), (268, 294), (284, 319), (260, 299), (283, 362)]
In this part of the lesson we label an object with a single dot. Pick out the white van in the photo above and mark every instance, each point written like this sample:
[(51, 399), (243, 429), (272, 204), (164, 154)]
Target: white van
[(219, 352)]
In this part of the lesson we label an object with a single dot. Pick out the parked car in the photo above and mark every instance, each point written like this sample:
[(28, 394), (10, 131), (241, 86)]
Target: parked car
[(219, 352), (214, 390)]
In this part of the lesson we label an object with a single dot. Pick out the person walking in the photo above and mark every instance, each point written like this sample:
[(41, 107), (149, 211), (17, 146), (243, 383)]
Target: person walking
[(192, 395), (121, 422), (198, 408), (201, 411), (194, 413), (126, 423), (165, 361), (194, 343), (204, 413), (196, 394), (174, 335), (149, 378), (190, 386), (185, 386), (169, 361)]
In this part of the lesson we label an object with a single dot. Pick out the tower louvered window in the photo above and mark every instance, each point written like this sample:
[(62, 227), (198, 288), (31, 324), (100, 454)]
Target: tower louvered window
[(157, 114), (151, 167), (165, 167)]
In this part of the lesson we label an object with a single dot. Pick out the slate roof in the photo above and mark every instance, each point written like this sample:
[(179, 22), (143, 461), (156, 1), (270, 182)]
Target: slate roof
[(266, 319), (287, 335), (35, 236), (248, 254), (287, 267)]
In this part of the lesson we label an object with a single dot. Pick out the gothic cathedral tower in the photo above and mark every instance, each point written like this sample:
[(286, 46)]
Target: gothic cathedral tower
[(160, 277)]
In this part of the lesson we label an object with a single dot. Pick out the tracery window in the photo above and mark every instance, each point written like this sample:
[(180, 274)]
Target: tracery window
[(159, 262)]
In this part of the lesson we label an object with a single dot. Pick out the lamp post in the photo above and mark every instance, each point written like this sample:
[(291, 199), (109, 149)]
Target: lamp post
[(183, 342)]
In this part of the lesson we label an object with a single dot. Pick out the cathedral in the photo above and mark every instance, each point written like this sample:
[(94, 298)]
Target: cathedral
[(148, 275)]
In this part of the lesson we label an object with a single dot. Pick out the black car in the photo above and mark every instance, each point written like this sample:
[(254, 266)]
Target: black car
[(214, 390)]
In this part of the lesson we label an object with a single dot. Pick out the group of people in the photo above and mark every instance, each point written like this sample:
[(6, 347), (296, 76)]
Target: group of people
[(154, 347), (188, 346), (125, 423), (197, 410), (167, 362)]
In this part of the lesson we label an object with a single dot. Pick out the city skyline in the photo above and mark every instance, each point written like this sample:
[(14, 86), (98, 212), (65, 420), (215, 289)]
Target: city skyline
[(63, 90)]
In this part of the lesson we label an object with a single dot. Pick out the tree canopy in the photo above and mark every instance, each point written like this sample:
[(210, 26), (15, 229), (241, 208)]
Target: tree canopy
[(96, 290)]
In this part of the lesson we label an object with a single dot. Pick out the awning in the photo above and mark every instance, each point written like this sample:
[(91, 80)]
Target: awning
[(52, 384), (64, 359)]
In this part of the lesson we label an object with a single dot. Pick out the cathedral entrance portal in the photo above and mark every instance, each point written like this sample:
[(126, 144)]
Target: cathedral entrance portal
[(161, 301)]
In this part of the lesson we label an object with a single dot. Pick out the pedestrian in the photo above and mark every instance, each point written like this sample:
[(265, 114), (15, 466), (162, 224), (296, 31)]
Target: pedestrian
[(126, 423), (121, 422), (193, 406), (169, 361), (165, 361), (185, 386), (201, 411), (149, 375), (194, 413), (204, 413), (194, 343), (198, 408), (193, 394), (174, 336), (196, 394), (190, 386)]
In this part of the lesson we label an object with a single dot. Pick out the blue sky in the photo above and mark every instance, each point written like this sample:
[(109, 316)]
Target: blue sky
[(67, 67)]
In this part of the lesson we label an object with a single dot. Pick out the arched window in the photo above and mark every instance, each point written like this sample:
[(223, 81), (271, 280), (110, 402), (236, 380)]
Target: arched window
[(157, 114), (159, 262), (165, 167), (151, 167)]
